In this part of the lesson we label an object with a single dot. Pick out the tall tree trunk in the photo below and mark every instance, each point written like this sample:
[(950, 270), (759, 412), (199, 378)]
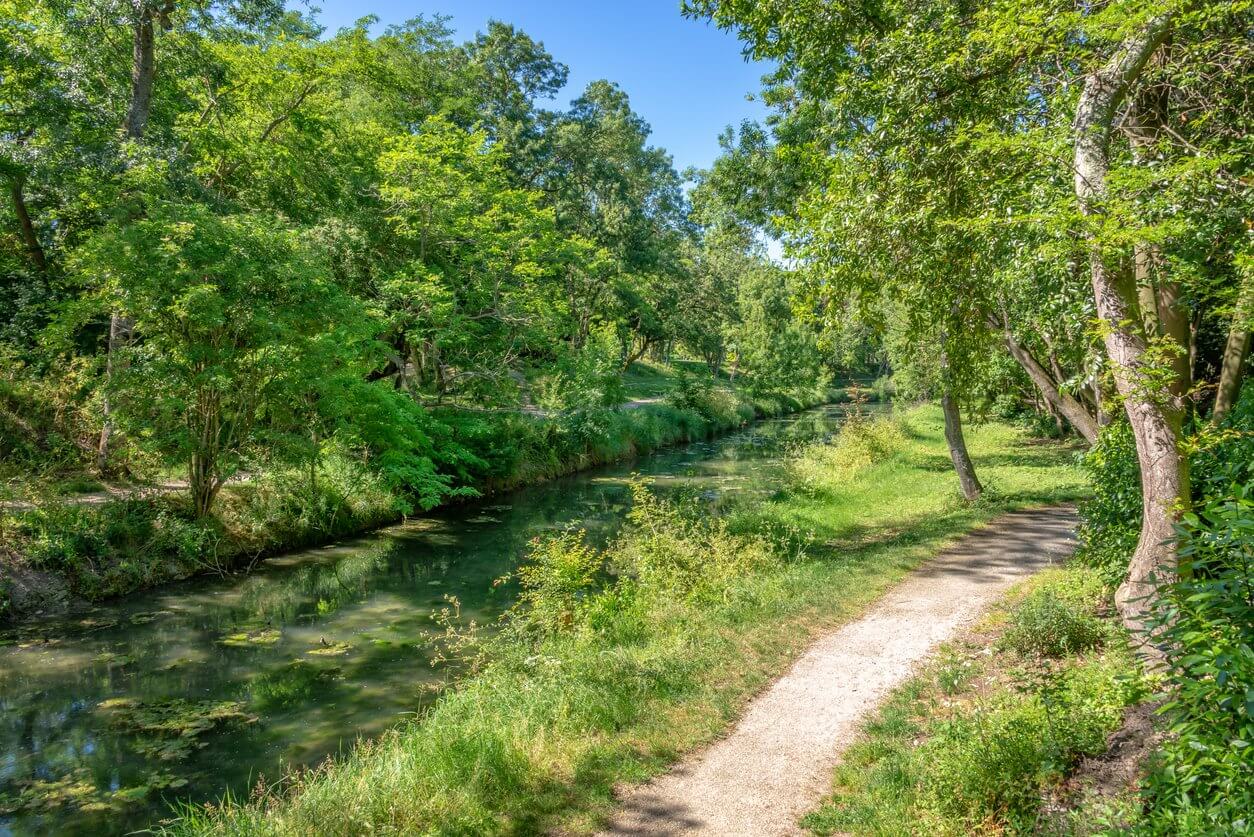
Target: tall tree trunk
[(33, 248), (971, 488), (1236, 354), (143, 71), (1071, 409), (1155, 421), (1163, 311)]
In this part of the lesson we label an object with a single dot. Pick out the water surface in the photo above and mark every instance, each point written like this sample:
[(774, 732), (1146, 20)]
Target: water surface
[(198, 688)]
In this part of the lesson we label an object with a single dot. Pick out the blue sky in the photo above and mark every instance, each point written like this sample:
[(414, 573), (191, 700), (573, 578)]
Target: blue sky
[(686, 78)]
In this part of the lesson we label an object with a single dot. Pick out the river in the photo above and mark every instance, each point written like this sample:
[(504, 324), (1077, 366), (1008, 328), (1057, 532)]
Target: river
[(188, 691)]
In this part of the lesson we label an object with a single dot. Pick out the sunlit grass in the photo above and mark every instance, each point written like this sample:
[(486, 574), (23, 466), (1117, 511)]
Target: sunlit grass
[(538, 738)]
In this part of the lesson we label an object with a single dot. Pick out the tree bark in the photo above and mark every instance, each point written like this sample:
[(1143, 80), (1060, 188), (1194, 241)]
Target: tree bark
[(1071, 409), (965, 468), (119, 335), (33, 248), (1155, 419), (1236, 355), (1236, 352), (1164, 314), (143, 70)]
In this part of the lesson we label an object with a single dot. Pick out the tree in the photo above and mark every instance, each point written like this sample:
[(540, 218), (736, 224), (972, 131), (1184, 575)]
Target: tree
[(237, 324), (969, 121), (481, 283)]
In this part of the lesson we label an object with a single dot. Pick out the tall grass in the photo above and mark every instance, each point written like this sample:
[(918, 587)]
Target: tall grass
[(620, 660)]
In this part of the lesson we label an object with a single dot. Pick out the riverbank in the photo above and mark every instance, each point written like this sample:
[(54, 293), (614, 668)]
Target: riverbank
[(63, 551), (605, 679)]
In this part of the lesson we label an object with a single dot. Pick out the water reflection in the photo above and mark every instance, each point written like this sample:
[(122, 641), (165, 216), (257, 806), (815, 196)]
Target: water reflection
[(196, 688)]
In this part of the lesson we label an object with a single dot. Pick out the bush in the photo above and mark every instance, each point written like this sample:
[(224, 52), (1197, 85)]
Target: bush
[(559, 576), (1110, 520), (1204, 781), (588, 379), (672, 553), (1057, 617), (991, 764), (720, 407), (114, 547), (861, 442), (677, 551)]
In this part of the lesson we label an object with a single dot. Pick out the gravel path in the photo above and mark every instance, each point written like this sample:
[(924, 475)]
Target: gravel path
[(776, 764)]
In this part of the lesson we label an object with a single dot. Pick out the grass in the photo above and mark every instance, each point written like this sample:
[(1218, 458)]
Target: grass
[(653, 662), (982, 740), (653, 379)]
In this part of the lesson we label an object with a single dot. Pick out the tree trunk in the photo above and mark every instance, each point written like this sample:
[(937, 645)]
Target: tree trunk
[(971, 488), (119, 335), (143, 70), (204, 484), (1155, 421), (29, 238), (1236, 354), (1071, 409)]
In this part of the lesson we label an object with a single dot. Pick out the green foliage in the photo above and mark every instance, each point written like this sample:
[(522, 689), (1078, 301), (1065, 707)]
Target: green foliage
[(1056, 618), (37, 432), (586, 379), (719, 406), (679, 552), (861, 442), (1110, 521), (560, 575), (116, 546), (241, 327), (1204, 779)]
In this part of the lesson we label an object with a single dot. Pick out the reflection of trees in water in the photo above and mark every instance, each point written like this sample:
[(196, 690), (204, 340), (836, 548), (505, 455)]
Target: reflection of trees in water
[(282, 596)]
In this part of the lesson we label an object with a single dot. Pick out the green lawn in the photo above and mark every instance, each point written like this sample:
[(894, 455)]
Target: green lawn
[(538, 737)]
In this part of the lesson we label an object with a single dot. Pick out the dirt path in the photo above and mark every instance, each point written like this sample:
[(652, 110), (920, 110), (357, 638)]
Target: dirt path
[(776, 764)]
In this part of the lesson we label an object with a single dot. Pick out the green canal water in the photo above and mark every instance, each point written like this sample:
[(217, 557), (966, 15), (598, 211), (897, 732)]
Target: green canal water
[(190, 691)]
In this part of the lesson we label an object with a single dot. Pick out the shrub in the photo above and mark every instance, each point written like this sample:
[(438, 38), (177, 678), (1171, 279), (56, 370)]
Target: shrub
[(559, 576), (1204, 782), (720, 407), (861, 442), (587, 379), (1110, 520), (114, 547), (991, 763), (1056, 618), (674, 550), (988, 764)]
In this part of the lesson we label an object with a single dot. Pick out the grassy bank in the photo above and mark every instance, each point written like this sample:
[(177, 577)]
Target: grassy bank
[(984, 740), (619, 661), (55, 546)]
